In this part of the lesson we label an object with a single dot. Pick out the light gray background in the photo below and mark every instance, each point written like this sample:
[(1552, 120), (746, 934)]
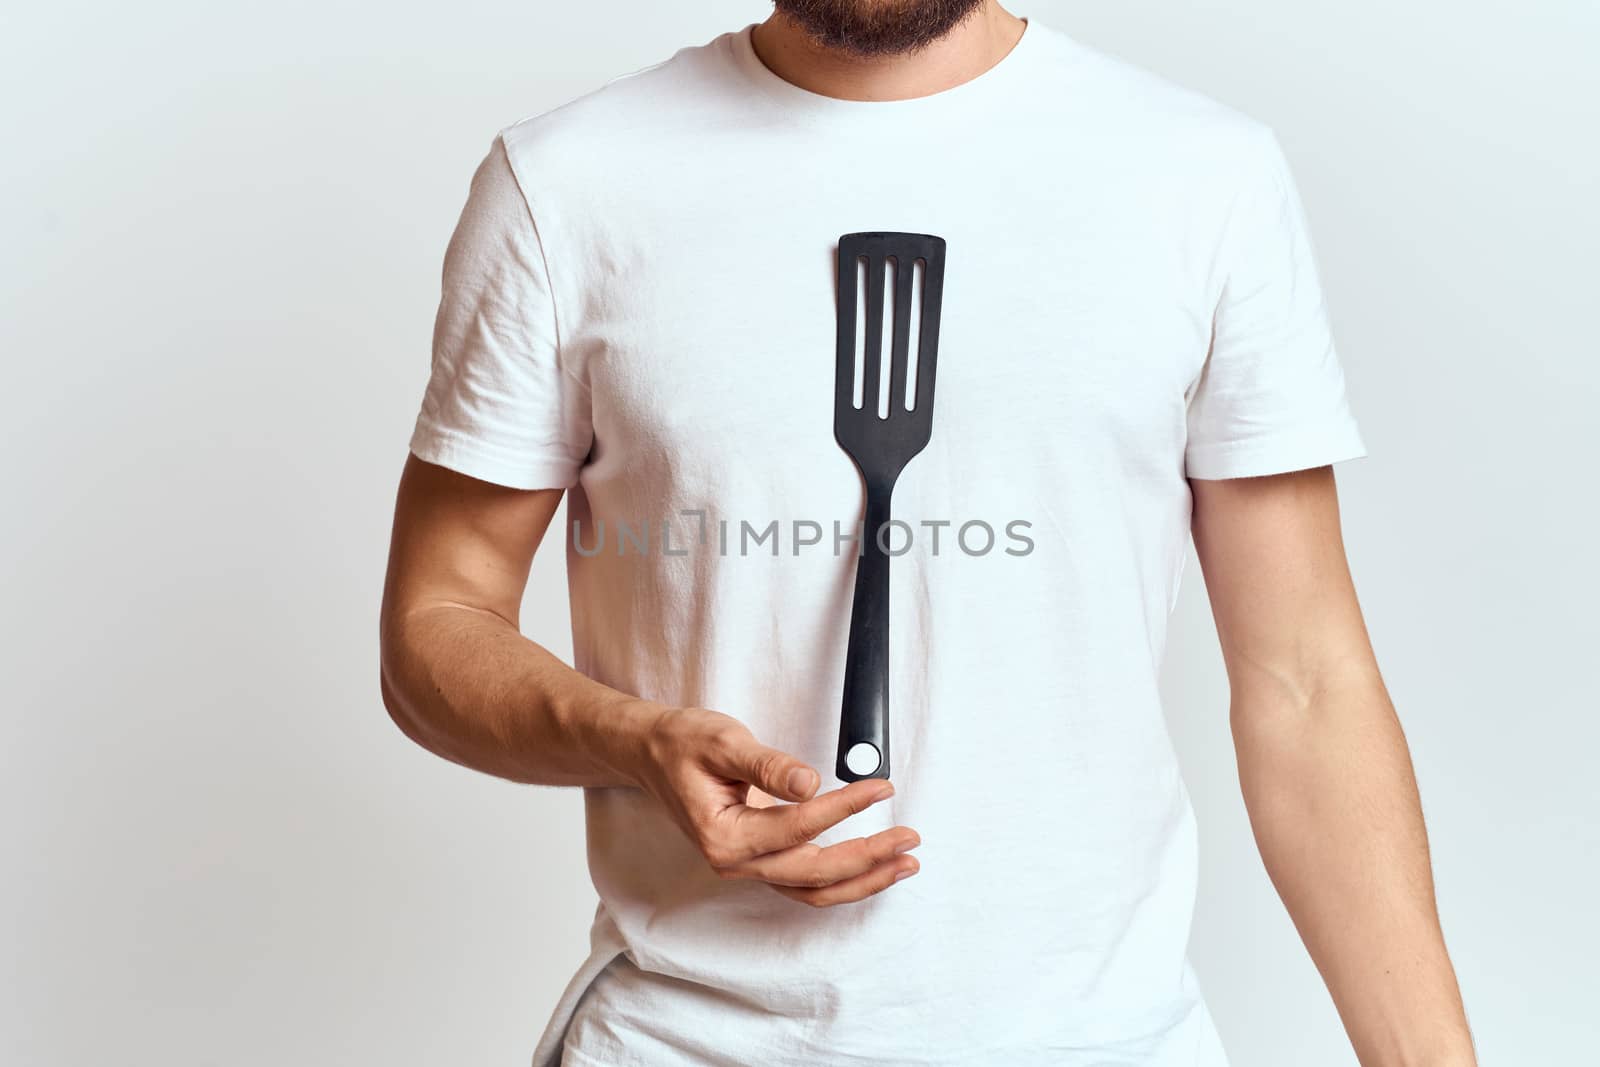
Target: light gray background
[(223, 228)]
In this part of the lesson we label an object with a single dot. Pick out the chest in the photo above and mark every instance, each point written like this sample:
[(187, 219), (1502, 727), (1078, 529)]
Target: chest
[(1070, 331)]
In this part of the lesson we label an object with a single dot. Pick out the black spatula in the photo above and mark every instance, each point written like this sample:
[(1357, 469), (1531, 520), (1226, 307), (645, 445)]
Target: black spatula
[(881, 425)]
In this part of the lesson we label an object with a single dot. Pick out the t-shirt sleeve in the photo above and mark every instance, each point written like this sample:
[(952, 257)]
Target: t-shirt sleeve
[(1271, 395), (499, 404)]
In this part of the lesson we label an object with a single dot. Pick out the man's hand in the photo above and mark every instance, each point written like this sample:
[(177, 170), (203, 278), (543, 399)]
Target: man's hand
[(710, 773)]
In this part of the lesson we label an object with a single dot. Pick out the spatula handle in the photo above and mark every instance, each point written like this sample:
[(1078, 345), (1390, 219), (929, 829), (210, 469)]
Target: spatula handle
[(864, 717)]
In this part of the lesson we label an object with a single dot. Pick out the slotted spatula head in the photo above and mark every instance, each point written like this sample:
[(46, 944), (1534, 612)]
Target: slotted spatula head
[(889, 291)]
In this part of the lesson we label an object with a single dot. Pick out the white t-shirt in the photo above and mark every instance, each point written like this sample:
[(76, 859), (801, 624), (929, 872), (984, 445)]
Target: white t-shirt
[(639, 306)]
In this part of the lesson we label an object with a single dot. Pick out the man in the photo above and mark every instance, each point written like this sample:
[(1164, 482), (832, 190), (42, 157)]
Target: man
[(639, 308)]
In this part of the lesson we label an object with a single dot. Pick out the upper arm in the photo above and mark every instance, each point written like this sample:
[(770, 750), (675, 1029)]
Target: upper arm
[(1270, 394), (502, 404), (1266, 416), (1274, 563), (461, 541), (504, 425)]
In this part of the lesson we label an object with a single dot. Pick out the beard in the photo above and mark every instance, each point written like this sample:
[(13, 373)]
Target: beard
[(877, 27)]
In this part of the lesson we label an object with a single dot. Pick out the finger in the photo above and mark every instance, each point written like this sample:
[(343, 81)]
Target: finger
[(756, 831), (860, 887), (772, 770), (813, 866)]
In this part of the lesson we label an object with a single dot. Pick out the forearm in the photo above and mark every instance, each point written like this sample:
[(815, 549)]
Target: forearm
[(466, 685), (1328, 781)]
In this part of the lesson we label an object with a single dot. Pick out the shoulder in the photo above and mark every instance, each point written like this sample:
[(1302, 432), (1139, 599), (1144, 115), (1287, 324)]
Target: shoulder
[(629, 113), (1136, 108)]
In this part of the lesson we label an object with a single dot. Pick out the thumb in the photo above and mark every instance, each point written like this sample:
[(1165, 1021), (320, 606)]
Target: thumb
[(773, 771)]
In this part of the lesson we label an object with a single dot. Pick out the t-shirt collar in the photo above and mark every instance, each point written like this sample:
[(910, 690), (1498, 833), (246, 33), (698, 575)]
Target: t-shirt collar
[(1009, 72)]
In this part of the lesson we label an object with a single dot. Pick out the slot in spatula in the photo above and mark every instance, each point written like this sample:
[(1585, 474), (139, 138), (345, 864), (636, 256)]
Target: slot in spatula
[(881, 424)]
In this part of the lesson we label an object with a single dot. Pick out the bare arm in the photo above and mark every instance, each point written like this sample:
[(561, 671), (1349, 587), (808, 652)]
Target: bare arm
[(1324, 766), (460, 679)]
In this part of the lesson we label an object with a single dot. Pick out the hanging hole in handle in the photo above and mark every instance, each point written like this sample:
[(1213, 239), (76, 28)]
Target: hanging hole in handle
[(862, 758)]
